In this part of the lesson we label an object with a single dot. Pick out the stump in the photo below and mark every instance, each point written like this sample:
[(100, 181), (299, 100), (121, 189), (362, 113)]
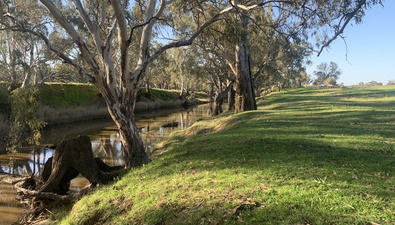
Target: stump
[(71, 157)]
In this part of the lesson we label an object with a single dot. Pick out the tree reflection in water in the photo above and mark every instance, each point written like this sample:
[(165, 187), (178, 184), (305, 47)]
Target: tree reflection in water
[(104, 137), (107, 146)]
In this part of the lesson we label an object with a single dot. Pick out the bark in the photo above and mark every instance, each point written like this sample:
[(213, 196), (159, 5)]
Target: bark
[(182, 83), (231, 98), (219, 99), (28, 73), (77, 154), (132, 144), (147, 85), (211, 92), (124, 118), (245, 99)]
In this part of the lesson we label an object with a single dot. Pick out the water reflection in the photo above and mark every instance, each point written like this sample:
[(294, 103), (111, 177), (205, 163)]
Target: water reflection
[(104, 137), (10, 208), (105, 144)]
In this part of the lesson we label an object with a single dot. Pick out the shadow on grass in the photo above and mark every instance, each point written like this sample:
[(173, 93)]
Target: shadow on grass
[(295, 164), (318, 166)]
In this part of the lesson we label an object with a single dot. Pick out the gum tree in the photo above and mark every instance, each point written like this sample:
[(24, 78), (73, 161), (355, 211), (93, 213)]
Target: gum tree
[(104, 32), (327, 74)]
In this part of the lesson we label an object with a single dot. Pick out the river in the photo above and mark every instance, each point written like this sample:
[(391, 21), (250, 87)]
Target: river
[(105, 144)]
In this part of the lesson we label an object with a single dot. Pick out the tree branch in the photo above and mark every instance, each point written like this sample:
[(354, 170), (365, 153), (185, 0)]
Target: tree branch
[(176, 44), (66, 59), (349, 17), (74, 35), (92, 28)]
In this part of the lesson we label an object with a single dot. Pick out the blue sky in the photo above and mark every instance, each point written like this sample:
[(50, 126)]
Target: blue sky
[(371, 48)]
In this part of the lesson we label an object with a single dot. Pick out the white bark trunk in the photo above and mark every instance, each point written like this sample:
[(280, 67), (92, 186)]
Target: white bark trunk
[(245, 99)]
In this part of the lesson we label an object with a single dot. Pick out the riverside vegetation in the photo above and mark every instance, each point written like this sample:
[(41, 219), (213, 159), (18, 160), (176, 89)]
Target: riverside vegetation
[(70, 102), (307, 156)]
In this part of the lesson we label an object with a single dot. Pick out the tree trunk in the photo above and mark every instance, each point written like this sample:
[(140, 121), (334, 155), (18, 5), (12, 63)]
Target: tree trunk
[(123, 116), (76, 154), (231, 97), (132, 143), (217, 104), (28, 73), (245, 99), (182, 84), (219, 99), (147, 85), (211, 94), (187, 91)]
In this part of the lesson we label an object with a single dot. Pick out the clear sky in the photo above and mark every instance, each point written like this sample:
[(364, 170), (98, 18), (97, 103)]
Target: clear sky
[(371, 48)]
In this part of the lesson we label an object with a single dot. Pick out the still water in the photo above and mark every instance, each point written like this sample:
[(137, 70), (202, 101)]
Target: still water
[(105, 144)]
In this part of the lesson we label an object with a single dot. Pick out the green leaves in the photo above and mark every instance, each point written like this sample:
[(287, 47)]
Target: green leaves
[(27, 123)]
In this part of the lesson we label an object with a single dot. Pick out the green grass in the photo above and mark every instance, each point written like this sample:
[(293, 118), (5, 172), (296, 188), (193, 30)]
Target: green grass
[(69, 95), (76, 94), (167, 95), (307, 156)]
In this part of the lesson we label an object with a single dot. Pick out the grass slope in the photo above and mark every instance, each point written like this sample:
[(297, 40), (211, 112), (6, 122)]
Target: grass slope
[(76, 94), (305, 157), (69, 95)]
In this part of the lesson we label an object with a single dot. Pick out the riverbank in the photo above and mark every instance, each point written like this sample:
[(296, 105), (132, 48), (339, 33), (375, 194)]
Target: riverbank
[(307, 156), (73, 102)]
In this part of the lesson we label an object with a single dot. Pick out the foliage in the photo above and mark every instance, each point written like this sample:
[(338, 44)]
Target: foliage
[(373, 83), (27, 122), (391, 82), (327, 74), (4, 99), (307, 156)]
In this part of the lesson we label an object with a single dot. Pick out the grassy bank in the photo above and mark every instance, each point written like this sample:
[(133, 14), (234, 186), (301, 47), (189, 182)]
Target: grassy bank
[(305, 157), (65, 103)]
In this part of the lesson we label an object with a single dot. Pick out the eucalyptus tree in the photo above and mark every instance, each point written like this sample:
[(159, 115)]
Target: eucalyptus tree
[(22, 55), (327, 74), (296, 21), (103, 33)]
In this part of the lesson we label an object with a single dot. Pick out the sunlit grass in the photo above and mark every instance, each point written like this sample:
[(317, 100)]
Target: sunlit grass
[(69, 95), (307, 156)]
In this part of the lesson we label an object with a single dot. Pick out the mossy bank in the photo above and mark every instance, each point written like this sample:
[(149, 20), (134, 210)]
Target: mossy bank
[(307, 156)]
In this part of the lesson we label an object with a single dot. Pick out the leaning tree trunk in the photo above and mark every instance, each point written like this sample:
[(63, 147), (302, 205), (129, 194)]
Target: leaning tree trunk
[(245, 99), (132, 143), (123, 115)]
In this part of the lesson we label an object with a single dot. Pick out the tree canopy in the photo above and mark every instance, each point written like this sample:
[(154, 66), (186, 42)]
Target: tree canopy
[(327, 74), (113, 44)]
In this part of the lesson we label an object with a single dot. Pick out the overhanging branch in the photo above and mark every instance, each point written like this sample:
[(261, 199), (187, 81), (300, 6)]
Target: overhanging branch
[(348, 17)]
